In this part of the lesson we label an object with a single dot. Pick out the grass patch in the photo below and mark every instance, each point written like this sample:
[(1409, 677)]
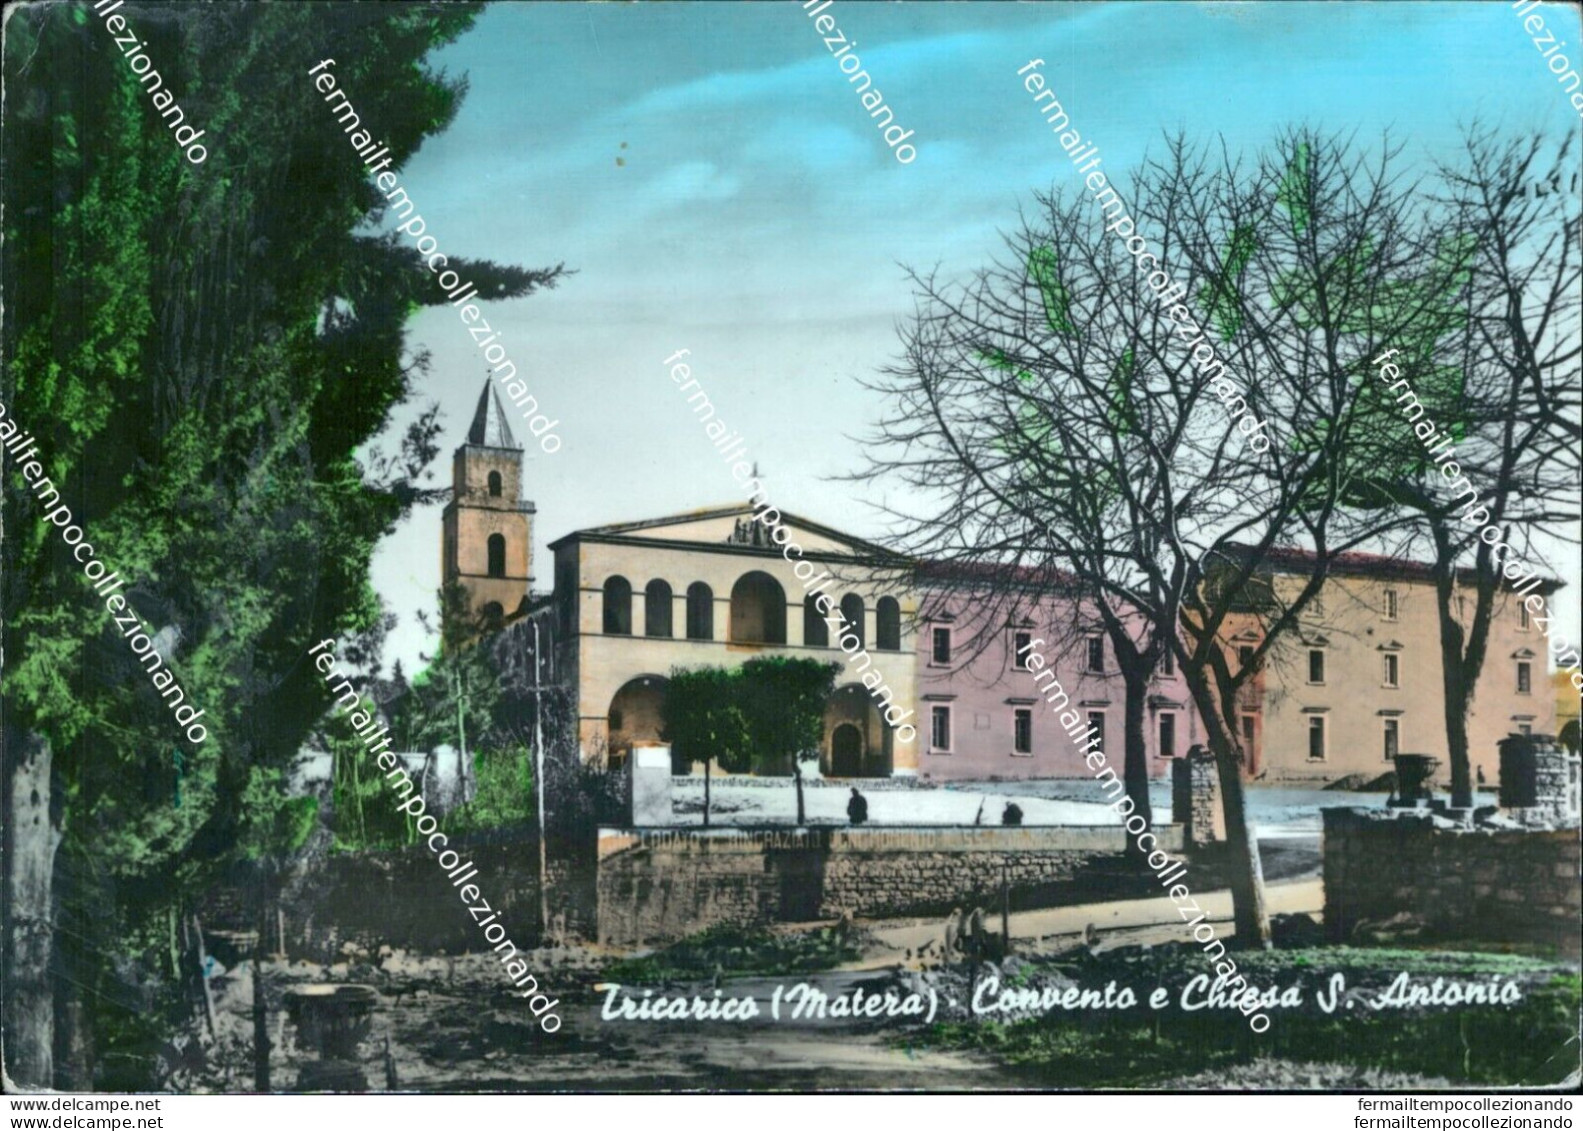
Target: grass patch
[(1533, 1043), (735, 950), (1061, 1051)]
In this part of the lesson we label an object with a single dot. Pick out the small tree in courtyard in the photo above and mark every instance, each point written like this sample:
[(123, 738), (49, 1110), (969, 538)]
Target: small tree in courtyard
[(703, 721), (783, 701)]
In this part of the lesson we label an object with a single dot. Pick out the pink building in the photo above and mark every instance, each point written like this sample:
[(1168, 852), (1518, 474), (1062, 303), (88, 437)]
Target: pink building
[(984, 714)]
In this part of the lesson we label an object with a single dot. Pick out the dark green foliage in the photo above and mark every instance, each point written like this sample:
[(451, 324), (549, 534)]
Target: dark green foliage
[(704, 720), (736, 950), (1532, 1043), (363, 806), (758, 717), (205, 355), (272, 823), (453, 700), (783, 701), (505, 794)]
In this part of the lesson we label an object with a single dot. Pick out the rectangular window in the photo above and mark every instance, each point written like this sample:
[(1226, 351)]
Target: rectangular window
[(1525, 728), (1096, 724), (1096, 654), (1167, 735), (1247, 738), (1522, 617), (1245, 656), (941, 650), (1316, 738), (1525, 678), (940, 728), (1393, 670), (1316, 665), (1022, 730), (1391, 604), (1393, 738), (1168, 661), (1021, 649)]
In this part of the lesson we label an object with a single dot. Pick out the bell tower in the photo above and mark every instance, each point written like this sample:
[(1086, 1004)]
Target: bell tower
[(488, 525)]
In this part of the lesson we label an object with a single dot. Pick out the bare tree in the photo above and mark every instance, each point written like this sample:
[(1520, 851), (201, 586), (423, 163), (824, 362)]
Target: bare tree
[(1477, 340), (1058, 416), (1517, 403)]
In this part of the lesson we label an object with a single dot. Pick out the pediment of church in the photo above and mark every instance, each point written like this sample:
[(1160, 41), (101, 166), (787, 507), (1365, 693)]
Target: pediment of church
[(734, 525)]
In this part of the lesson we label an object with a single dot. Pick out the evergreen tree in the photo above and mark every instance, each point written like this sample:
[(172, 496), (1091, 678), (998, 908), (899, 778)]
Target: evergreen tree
[(452, 701), (204, 354)]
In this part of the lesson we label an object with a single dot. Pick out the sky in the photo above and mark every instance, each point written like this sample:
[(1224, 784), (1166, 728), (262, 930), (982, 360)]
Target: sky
[(710, 175)]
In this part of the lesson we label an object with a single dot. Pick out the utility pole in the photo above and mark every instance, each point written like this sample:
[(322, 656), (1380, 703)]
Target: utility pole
[(539, 784), (461, 715)]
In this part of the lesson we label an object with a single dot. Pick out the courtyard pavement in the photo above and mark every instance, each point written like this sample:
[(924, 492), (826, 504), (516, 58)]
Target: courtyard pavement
[(732, 803), (1277, 811)]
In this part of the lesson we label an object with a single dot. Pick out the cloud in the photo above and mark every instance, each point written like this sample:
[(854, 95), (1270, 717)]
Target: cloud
[(691, 181)]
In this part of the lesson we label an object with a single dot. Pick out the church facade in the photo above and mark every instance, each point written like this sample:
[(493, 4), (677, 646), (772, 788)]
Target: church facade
[(631, 601), (708, 588)]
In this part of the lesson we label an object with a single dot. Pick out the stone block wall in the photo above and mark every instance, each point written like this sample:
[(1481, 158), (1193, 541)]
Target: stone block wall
[(571, 879), (878, 873), (1195, 798), (1462, 883), (400, 899), (1540, 781), (656, 887)]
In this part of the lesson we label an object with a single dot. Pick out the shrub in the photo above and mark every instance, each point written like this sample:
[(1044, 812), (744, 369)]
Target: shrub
[(505, 794)]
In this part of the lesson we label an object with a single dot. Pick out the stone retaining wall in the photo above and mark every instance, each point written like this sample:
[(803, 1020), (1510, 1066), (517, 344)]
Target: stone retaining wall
[(402, 899), (657, 886), (1478, 883)]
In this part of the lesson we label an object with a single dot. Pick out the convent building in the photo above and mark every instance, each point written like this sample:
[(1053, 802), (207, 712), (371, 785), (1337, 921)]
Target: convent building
[(633, 600)]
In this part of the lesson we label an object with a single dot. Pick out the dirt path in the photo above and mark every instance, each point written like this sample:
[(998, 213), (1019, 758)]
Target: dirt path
[(1141, 920), (593, 1054), (782, 1057)]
